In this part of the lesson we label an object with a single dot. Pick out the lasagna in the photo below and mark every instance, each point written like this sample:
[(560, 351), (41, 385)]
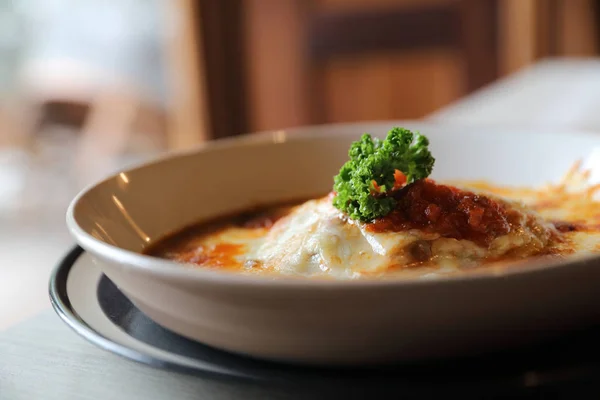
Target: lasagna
[(435, 228)]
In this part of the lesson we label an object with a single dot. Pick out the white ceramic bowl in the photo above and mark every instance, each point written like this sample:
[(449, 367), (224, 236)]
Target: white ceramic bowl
[(338, 322)]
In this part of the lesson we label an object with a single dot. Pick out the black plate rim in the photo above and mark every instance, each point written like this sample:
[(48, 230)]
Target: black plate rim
[(62, 306)]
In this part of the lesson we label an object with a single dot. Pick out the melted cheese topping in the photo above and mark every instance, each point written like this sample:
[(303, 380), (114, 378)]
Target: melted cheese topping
[(314, 239)]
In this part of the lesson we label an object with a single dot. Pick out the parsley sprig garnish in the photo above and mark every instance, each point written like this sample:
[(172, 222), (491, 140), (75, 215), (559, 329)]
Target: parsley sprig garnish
[(364, 184)]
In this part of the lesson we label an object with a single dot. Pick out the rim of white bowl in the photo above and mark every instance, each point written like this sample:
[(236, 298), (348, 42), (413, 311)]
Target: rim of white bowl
[(169, 269)]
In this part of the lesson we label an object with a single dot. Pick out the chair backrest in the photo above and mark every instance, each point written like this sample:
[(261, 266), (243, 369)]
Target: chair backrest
[(307, 61), (469, 28), (247, 65)]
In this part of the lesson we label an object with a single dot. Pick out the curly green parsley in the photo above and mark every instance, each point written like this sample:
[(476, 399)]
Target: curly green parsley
[(364, 182)]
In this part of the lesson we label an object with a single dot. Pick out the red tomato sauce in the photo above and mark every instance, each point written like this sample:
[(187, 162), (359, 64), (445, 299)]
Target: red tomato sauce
[(448, 211)]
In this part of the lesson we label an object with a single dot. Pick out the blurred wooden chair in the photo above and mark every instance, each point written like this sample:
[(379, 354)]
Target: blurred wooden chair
[(466, 28), (239, 65), (244, 65), (329, 33)]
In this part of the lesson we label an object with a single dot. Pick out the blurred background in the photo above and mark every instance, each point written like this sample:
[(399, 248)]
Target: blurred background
[(144, 75), (87, 80), (84, 82), (88, 86)]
